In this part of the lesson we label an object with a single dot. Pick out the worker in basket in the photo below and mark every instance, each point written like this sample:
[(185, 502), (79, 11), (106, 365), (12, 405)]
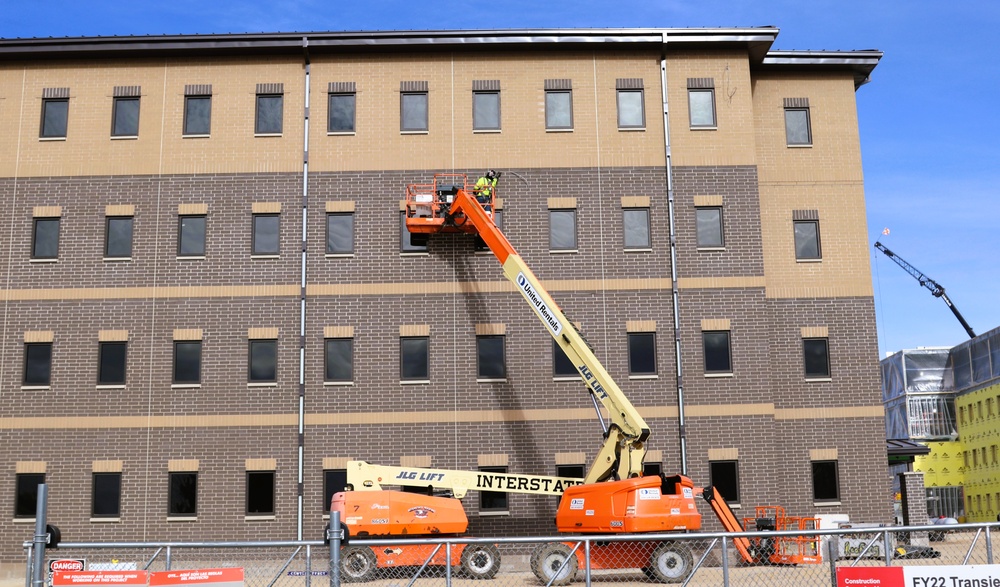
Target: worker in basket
[(484, 188)]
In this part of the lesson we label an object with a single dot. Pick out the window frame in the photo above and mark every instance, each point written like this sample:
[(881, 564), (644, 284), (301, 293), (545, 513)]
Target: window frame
[(38, 379), (406, 246), (404, 115), (63, 121), (557, 357), (705, 354), (117, 111), (648, 242), (642, 108), (826, 374), (106, 500), (252, 489), (723, 487), (553, 214), (37, 234), (500, 500), (818, 242), (26, 488), (180, 235), (174, 485), (263, 99), (326, 360), (197, 367), (566, 470), (476, 110), (720, 224), (340, 252), (256, 249), (691, 111), (107, 235), (480, 351), (550, 109), (328, 490), (821, 484), (330, 110), (108, 344), (808, 127), (263, 344), (426, 371), (189, 114), (634, 337)]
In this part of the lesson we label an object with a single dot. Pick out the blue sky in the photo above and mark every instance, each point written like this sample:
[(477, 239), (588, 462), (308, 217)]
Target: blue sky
[(929, 120)]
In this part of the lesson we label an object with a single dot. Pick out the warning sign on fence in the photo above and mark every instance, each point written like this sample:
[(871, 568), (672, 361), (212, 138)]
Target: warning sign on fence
[(923, 576), (232, 577), (86, 578)]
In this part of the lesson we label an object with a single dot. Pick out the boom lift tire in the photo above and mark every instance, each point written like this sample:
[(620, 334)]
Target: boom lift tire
[(357, 564), (548, 558), (480, 561), (670, 562)]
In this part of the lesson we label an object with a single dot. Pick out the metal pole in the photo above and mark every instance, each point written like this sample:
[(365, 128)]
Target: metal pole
[(38, 578), (309, 566), (725, 562), (29, 565), (832, 549), (887, 545), (586, 560), (335, 538)]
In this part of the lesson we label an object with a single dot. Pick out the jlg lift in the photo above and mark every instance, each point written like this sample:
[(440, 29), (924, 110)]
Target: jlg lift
[(614, 496), (782, 550)]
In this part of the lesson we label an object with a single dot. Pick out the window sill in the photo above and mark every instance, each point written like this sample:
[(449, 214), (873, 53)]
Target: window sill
[(338, 383), (116, 259), (267, 518), (704, 128), (185, 385), (190, 257), (563, 251), (496, 513), (105, 520), (266, 134), (631, 129), (115, 386), (24, 520), (49, 139), (415, 254), (809, 260), (125, 138), (35, 387), (643, 376), (263, 384), (414, 132), (196, 136), (485, 380), (717, 375), (265, 256), (809, 146), (339, 255), (486, 131), (638, 250), (567, 378), (54, 260), (711, 249), (558, 130), (415, 382), (182, 519), (823, 504), (819, 379), (341, 133)]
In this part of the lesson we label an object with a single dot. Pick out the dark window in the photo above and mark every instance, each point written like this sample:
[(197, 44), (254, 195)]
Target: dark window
[(817, 357), (717, 353), (651, 469), (191, 236), (260, 493), (341, 112), (562, 230), (413, 111), (559, 109), (37, 363), (797, 128), (266, 234), (636, 223), (724, 476), (406, 238), (826, 483), (270, 110), (183, 498), (26, 498), (111, 366), (118, 237), (55, 115), (701, 103), (414, 358), (107, 495), (197, 115), (187, 362), (339, 359), (709, 227), (561, 365), (334, 481), (486, 110), (490, 357), (641, 353), (125, 117), (493, 501), (631, 111), (263, 361), (480, 244), (572, 471), (45, 242), (807, 239), (340, 233)]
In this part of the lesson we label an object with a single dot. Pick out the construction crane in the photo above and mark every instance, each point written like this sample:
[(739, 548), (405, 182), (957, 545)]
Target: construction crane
[(936, 289)]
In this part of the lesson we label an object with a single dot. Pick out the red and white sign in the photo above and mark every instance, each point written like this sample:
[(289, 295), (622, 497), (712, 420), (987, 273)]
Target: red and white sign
[(232, 577), (85, 578), (67, 564), (922, 576)]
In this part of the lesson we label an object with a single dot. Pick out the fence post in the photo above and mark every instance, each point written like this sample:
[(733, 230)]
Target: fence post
[(832, 552), (586, 561), (309, 566), (725, 561), (167, 562), (28, 565), (887, 545), (38, 575), (335, 536), (989, 546)]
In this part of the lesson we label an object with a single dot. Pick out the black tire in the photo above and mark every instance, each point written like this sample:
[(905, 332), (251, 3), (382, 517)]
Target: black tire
[(671, 562), (480, 561), (548, 558), (357, 564)]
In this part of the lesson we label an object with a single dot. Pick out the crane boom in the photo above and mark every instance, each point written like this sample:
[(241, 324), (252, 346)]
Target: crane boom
[(936, 289)]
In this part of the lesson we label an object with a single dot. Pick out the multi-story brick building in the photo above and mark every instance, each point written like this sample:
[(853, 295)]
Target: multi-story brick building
[(210, 304)]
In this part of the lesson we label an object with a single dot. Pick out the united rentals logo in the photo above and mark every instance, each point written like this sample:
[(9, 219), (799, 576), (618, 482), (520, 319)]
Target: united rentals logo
[(421, 511), (541, 308)]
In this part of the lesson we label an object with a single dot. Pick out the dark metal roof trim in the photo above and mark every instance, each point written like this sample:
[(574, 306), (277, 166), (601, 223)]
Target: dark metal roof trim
[(862, 63), (905, 448)]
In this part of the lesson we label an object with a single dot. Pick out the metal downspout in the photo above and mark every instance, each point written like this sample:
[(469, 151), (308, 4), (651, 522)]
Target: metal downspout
[(302, 296), (674, 291)]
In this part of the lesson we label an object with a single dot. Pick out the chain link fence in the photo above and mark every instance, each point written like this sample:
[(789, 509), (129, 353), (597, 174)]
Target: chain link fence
[(793, 559)]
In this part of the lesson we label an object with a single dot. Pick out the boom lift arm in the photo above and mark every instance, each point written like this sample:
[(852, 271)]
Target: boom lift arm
[(624, 447), (936, 289)]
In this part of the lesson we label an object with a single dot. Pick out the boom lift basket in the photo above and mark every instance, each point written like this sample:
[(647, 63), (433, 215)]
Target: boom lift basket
[(428, 205)]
